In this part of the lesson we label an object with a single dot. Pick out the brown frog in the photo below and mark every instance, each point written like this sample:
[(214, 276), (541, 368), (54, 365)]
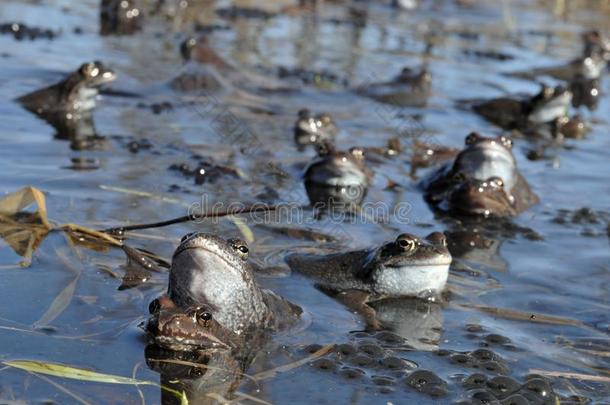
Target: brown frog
[(120, 17), (337, 176), (535, 116), (410, 88), (483, 179), (73, 95), (184, 329), (408, 266), (314, 129)]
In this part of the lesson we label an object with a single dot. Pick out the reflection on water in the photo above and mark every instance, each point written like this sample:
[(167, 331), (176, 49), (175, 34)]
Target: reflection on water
[(206, 377)]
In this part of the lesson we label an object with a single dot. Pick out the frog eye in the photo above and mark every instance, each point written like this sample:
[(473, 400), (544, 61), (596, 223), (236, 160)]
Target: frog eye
[(203, 316), (472, 138), (506, 141), (325, 119), (240, 247), (188, 235), (547, 92), (154, 306), (187, 46), (459, 177), (357, 152), (196, 372), (407, 243), (496, 182), (89, 70)]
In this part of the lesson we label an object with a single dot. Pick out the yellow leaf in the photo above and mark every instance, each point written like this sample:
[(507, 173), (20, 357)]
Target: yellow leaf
[(24, 231), (14, 203), (60, 370), (63, 371), (243, 228)]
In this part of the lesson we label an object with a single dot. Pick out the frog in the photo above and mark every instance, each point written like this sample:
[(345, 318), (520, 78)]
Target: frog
[(120, 17), (534, 116), (408, 266), (71, 97), (409, 88), (337, 177), (483, 179), (209, 270), (314, 129)]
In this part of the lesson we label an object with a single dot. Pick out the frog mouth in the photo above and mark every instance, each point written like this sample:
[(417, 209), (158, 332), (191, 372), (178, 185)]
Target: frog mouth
[(86, 95), (437, 261), (490, 159), (479, 199), (202, 340), (339, 174)]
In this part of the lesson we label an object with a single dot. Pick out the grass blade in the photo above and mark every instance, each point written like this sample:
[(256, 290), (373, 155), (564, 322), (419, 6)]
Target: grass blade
[(63, 371), (74, 373)]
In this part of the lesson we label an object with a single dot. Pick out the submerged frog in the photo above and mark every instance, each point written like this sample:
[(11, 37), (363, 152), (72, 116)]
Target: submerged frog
[(406, 267), (483, 179), (184, 329), (120, 17), (313, 129), (337, 176), (211, 272), (585, 92), (537, 115), (592, 63), (202, 376), (409, 88), (72, 96), (218, 73)]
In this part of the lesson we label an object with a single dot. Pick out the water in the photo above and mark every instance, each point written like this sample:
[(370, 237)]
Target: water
[(563, 273)]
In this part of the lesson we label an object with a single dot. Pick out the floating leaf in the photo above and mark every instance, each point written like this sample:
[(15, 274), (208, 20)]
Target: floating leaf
[(24, 231), (14, 203), (82, 233)]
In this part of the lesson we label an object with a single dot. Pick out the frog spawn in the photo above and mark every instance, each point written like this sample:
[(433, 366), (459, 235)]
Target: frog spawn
[(376, 362), (370, 360)]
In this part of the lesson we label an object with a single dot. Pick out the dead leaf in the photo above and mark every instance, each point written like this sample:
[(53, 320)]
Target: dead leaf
[(24, 231), (14, 203)]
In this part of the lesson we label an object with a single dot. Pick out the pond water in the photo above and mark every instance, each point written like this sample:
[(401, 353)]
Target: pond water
[(536, 293)]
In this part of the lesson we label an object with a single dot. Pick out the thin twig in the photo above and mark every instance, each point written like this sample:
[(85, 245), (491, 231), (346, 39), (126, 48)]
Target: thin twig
[(192, 217)]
